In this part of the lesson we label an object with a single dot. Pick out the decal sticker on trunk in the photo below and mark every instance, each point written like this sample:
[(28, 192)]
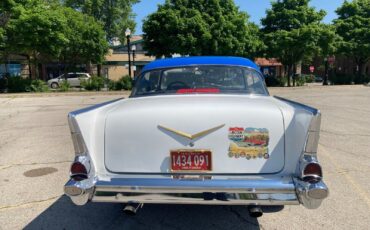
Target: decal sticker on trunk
[(249, 143)]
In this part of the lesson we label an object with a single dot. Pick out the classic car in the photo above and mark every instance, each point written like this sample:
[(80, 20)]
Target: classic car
[(197, 130)]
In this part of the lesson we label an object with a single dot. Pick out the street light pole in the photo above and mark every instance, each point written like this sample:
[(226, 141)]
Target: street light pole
[(326, 71), (128, 34), (133, 48)]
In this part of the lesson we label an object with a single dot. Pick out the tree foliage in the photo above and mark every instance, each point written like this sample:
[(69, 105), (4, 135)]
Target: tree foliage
[(37, 31), (46, 31), (328, 40), (7, 10), (353, 25), (292, 31), (116, 15), (289, 15), (86, 38), (2, 38), (200, 27)]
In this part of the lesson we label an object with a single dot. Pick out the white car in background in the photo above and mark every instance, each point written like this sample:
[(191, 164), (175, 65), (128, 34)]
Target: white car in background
[(197, 130), (74, 80)]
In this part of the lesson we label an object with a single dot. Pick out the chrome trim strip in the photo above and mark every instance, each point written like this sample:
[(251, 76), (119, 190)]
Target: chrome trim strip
[(314, 111), (200, 199), (89, 108), (76, 135), (313, 135), (143, 185)]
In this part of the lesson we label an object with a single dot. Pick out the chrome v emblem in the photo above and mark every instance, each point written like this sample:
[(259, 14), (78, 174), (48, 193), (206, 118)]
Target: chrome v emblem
[(191, 136)]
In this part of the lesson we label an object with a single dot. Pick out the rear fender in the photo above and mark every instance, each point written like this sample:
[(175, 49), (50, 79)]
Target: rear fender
[(302, 127), (83, 125)]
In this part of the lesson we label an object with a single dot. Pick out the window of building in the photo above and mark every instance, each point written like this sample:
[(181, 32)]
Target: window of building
[(13, 69)]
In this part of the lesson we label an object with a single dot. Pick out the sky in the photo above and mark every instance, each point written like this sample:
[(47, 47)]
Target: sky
[(255, 8)]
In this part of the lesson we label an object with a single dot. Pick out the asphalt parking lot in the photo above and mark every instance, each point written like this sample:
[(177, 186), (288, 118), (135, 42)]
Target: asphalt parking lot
[(36, 152)]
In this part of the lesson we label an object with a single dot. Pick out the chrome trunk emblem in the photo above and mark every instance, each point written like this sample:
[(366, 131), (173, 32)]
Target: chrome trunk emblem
[(191, 136)]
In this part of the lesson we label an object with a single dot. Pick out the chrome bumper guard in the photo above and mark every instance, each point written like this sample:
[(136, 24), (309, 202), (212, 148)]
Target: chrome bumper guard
[(282, 191)]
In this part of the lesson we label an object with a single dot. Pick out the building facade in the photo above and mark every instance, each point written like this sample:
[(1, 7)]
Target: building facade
[(15, 65), (270, 67), (117, 64), (337, 65)]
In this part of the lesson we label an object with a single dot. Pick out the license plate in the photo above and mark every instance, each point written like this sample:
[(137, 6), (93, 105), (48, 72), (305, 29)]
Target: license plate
[(191, 160)]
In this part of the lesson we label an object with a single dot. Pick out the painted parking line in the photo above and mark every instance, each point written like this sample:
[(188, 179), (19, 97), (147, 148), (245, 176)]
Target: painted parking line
[(363, 194)]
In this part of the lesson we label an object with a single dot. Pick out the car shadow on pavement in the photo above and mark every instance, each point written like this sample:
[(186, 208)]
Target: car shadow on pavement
[(63, 214)]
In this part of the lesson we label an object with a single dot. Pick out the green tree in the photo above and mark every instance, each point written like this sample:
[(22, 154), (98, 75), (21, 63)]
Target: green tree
[(353, 25), (6, 12), (200, 27), (327, 46), (291, 32), (2, 39), (38, 32), (2, 46), (116, 15), (86, 39), (46, 31)]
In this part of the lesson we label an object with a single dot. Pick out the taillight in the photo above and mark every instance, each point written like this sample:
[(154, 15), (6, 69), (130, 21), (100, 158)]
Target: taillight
[(78, 171), (312, 173)]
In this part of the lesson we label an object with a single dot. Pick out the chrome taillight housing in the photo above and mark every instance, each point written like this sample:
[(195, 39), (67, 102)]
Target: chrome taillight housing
[(78, 141), (78, 171), (310, 169), (81, 166), (312, 172)]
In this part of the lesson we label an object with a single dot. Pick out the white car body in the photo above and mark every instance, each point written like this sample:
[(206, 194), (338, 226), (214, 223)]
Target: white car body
[(125, 147), (74, 79)]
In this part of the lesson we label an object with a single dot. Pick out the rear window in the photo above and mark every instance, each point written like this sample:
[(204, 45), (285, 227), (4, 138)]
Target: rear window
[(200, 79)]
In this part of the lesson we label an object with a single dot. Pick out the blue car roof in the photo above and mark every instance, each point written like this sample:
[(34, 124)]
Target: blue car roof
[(202, 60)]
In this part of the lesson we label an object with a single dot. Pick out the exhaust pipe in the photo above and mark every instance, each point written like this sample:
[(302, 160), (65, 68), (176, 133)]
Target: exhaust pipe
[(255, 211), (132, 208)]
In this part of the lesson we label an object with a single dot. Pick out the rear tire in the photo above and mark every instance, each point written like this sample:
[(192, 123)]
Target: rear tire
[(54, 85)]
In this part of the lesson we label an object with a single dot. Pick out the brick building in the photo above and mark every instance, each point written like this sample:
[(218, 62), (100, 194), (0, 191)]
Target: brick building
[(340, 65)]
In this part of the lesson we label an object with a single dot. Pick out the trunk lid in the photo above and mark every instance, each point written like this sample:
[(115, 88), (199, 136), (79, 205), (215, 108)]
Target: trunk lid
[(248, 138)]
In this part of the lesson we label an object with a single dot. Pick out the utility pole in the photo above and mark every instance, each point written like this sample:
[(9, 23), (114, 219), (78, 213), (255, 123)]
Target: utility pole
[(128, 35)]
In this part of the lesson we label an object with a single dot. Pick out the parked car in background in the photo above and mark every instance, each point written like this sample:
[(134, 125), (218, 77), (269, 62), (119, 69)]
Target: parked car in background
[(197, 130), (318, 78), (74, 79)]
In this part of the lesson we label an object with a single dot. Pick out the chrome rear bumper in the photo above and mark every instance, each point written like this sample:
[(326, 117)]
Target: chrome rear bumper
[(282, 191)]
